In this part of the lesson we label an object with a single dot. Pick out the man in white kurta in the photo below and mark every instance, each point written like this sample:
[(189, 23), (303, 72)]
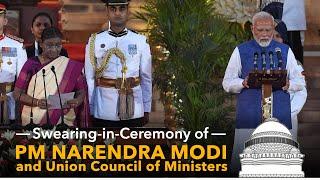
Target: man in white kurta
[(233, 81), (103, 96)]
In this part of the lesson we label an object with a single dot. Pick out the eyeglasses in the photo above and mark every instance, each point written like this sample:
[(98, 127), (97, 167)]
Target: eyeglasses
[(56, 46)]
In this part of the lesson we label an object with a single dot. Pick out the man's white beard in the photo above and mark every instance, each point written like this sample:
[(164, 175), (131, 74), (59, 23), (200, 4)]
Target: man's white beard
[(263, 43)]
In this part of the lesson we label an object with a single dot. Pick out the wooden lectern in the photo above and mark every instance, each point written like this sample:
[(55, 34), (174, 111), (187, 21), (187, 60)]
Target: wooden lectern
[(267, 81)]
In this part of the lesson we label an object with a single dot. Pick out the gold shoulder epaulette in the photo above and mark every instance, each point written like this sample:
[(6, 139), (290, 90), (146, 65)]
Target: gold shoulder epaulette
[(15, 38)]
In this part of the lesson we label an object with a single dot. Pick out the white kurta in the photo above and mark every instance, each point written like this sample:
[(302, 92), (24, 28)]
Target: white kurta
[(13, 56), (297, 101), (104, 101)]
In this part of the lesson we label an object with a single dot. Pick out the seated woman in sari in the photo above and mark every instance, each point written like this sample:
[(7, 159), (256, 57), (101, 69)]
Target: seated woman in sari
[(29, 88)]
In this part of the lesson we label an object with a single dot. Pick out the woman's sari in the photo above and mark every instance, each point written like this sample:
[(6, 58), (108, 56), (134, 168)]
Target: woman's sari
[(70, 79)]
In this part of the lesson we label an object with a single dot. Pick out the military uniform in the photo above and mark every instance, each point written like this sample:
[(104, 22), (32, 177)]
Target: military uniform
[(112, 58), (12, 58)]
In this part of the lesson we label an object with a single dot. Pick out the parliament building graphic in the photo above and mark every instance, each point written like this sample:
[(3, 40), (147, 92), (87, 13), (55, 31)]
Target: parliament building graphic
[(271, 152)]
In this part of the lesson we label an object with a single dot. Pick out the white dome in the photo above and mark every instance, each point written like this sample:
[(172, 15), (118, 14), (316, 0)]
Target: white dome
[(271, 127), (271, 137), (271, 152)]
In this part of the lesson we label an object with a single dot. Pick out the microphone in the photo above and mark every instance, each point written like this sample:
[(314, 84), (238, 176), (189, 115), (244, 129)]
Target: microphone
[(279, 56), (264, 63), (48, 124), (31, 125), (271, 60), (62, 125), (255, 61)]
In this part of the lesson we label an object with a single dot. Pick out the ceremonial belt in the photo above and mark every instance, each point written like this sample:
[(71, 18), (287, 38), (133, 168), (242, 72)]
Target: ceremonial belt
[(130, 82)]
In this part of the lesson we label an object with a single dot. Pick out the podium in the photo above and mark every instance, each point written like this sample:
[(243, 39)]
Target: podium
[(267, 81)]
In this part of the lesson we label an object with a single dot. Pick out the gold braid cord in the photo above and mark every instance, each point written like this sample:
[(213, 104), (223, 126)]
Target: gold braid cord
[(113, 51), (92, 58)]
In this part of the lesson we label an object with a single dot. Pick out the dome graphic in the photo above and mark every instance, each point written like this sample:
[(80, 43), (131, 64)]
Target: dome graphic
[(271, 152)]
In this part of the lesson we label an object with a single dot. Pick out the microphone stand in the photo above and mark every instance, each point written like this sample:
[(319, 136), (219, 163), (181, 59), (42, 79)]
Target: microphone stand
[(255, 61), (264, 63), (278, 51), (271, 60), (62, 125), (48, 124), (31, 125)]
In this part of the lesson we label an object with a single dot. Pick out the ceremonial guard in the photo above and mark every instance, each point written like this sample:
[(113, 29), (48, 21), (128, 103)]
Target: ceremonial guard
[(12, 58), (118, 72)]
